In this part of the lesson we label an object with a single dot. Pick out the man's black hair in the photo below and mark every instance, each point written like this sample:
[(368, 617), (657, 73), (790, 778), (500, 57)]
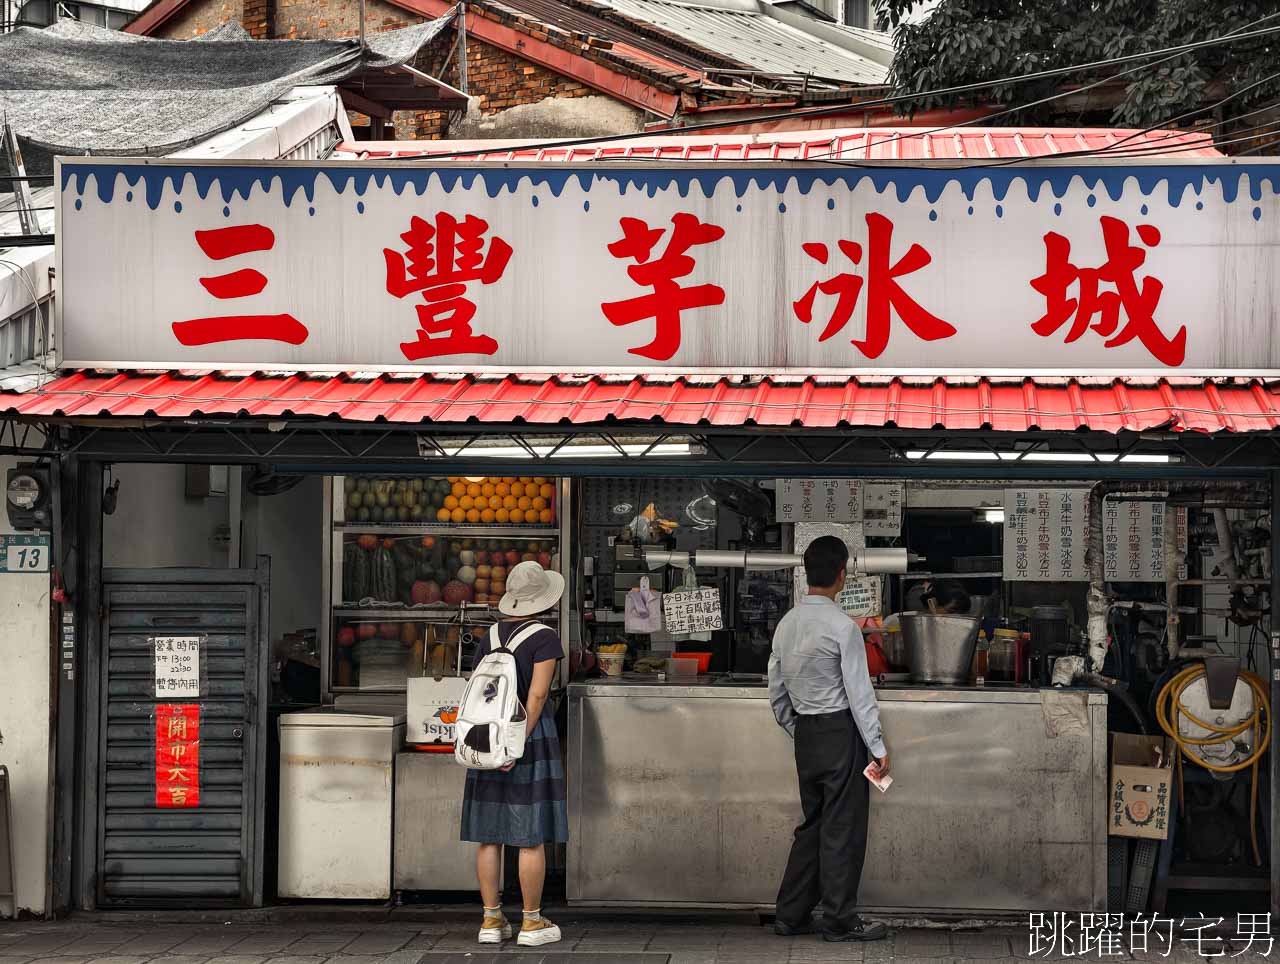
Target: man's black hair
[(823, 560)]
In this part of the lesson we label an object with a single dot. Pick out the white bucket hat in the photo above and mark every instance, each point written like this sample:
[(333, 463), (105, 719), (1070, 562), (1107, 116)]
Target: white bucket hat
[(530, 590)]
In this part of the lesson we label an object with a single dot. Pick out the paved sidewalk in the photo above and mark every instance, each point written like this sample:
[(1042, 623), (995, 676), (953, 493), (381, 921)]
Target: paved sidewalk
[(315, 940)]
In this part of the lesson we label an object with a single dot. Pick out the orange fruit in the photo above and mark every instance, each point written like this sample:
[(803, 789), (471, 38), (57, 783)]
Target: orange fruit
[(546, 516), (539, 503), (526, 479), (524, 502), (509, 502), (547, 491), (459, 488), (450, 501), (455, 478), (442, 515), (487, 515), (457, 515), (508, 479), (517, 516), (473, 489), (517, 489), (540, 480), (487, 489), (473, 515), (466, 502), (502, 489), (502, 515), (495, 502)]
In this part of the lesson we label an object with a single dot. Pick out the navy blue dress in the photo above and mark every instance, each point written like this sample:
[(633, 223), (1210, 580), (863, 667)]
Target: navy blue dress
[(524, 807)]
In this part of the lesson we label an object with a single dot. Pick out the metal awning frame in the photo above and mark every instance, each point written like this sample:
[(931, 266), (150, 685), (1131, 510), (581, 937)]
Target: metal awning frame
[(641, 448)]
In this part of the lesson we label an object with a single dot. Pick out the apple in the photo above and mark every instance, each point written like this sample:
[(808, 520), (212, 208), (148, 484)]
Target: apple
[(346, 636), (367, 630), (481, 585), (482, 557), (388, 630), (544, 560), (512, 557)]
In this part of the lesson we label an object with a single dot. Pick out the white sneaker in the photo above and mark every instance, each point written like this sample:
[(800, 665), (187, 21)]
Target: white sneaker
[(539, 932), (495, 930)]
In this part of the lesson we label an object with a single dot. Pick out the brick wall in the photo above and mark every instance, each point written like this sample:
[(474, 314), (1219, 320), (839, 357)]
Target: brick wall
[(499, 80)]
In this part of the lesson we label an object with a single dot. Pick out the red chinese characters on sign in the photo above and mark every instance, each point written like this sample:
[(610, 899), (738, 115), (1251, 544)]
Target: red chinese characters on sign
[(230, 242), (1101, 310), (668, 298), (885, 296), (442, 258), (177, 755)]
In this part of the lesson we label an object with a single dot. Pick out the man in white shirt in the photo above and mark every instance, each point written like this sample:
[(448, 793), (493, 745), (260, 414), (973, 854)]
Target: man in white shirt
[(822, 696)]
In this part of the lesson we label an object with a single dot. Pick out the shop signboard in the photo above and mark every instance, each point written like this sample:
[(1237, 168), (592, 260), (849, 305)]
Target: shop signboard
[(882, 504), (687, 611), (177, 666), (1117, 266), (818, 500), (1134, 536)]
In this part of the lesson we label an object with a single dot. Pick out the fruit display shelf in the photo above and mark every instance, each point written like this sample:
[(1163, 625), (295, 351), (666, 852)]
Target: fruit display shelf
[(447, 531)]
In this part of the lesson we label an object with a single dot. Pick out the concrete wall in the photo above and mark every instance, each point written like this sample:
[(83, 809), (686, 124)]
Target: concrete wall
[(25, 654), (155, 525), (286, 527)]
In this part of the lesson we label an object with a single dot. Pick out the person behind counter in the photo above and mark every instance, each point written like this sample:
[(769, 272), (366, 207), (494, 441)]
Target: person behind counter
[(822, 696), (524, 805)]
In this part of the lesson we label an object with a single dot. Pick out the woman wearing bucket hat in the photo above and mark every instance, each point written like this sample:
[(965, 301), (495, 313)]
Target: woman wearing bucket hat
[(523, 806)]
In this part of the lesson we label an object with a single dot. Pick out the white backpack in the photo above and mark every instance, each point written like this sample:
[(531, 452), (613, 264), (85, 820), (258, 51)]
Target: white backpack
[(492, 723)]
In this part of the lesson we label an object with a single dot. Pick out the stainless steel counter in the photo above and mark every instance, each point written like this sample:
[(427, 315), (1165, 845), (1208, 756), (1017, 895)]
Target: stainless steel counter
[(687, 795)]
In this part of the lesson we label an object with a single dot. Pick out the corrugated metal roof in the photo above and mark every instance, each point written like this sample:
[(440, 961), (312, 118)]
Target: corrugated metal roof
[(1014, 405), (875, 143), (760, 37)]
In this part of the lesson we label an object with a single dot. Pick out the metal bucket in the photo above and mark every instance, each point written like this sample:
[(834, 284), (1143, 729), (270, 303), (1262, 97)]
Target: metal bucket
[(939, 648)]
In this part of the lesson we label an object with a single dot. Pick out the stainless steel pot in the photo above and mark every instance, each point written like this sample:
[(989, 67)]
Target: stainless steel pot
[(895, 648), (939, 648)]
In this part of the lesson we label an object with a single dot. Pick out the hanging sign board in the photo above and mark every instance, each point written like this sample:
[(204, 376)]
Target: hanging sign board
[(818, 500), (177, 755), (882, 504), (24, 553), (687, 611), (177, 666), (1045, 535), (1134, 535), (860, 596), (308, 265)]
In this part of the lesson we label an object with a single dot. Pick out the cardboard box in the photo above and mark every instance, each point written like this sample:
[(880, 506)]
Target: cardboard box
[(1141, 782)]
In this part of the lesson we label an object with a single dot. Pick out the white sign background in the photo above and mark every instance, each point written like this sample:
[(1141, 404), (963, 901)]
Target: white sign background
[(177, 664), (818, 500), (1133, 539), (129, 266), (1045, 535), (691, 611)]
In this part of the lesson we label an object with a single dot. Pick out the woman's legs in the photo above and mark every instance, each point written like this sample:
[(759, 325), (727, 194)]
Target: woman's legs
[(533, 872), (489, 871)]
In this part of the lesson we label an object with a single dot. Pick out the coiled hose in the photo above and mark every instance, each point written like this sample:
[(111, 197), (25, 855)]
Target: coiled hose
[(1169, 710)]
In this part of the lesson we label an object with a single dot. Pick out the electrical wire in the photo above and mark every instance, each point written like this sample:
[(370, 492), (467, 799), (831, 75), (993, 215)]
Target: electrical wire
[(893, 99)]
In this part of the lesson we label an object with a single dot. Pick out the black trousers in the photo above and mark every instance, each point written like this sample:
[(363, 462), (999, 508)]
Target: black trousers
[(829, 848)]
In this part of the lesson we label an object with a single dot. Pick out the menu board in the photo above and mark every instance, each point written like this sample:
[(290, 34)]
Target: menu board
[(691, 611), (882, 504), (861, 594), (1134, 536), (818, 500), (1045, 535)]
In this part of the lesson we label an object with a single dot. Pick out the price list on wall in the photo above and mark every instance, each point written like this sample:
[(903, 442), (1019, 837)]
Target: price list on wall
[(819, 500), (1134, 539), (1045, 536)]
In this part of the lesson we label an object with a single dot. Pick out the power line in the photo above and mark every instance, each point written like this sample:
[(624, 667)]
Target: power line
[(897, 98)]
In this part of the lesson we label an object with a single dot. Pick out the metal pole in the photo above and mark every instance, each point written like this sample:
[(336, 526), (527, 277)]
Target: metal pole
[(362, 44), (1273, 666), (462, 48)]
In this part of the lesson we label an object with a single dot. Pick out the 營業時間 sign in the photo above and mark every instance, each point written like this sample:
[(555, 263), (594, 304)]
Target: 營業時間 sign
[(1076, 267)]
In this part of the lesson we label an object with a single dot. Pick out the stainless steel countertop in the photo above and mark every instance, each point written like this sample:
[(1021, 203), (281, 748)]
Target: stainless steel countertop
[(706, 688)]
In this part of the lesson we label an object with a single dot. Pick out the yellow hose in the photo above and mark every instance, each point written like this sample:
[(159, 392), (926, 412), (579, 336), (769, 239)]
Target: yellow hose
[(1169, 710)]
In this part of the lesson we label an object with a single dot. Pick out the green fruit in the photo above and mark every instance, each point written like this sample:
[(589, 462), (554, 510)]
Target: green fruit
[(416, 513), (354, 500), (416, 485), (362, 485), (363, 515), (402, 514), (383, 499), (396, 499)]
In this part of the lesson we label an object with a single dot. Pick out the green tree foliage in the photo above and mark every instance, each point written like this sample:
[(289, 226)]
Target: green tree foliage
[(969, 41)]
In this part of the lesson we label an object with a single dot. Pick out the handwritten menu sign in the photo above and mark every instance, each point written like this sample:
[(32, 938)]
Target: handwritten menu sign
[(1045, 535), (177, 755), (691, 611), (1134, 536), (818, 500), (882, 508), (177, 660)]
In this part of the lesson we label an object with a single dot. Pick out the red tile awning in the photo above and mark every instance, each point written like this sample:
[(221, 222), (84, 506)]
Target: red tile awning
[(821, 402)]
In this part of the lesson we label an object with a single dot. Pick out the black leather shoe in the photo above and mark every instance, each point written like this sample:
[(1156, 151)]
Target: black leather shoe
[(791, 930), (862, 930)]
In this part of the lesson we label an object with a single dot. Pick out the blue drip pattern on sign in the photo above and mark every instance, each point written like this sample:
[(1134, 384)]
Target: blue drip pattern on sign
[(240, 181)]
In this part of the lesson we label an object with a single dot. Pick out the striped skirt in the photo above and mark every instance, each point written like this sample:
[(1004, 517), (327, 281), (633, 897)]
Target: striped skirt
[(525, 806)]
